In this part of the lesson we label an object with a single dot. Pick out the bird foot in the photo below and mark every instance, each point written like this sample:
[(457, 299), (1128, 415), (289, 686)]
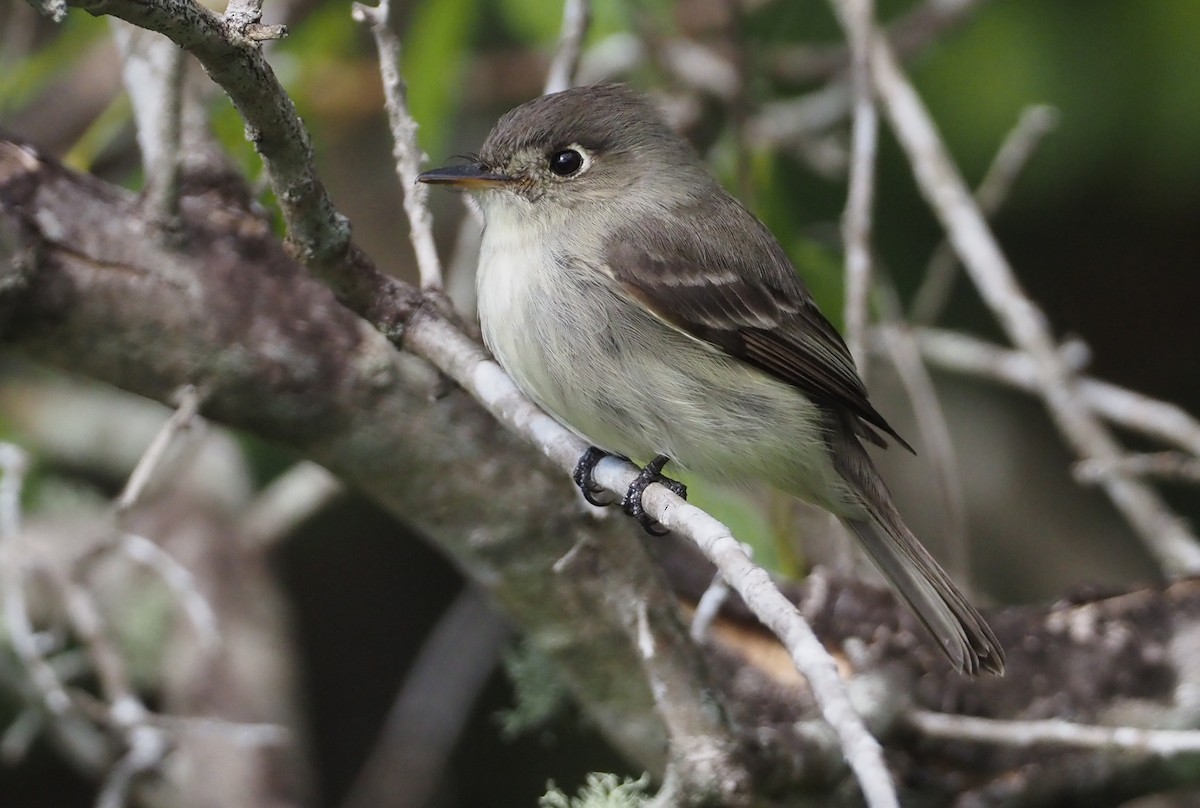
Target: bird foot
[(582, 476), (632, 502)]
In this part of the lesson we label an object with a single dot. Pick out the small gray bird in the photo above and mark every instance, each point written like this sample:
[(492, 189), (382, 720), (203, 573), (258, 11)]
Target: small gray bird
[(647, 310)]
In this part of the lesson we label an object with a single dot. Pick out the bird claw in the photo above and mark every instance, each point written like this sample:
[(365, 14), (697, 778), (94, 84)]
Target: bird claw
[(632, 502), (587, 484)]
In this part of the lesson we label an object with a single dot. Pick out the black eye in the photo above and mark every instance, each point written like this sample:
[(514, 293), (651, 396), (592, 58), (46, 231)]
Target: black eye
[(566, 162)]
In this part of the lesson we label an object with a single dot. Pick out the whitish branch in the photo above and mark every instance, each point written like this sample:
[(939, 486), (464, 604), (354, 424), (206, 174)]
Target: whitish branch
[(577, 15), (1171, 542), (1159, 742), (1163, 465), (405, 149), (152, 69), (858, 20), (1015, 152), (962, 353)]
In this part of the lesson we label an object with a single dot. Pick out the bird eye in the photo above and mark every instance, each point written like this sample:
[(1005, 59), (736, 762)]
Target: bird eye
[(566, 162)]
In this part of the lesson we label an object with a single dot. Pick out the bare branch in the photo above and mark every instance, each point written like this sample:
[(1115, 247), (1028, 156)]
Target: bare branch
[(703, 765), (914, 31), (858, 20), (405, 149), (1015, 152), (895, 338), (577, 15), (147, 749), (179, 581), (1164, 534), (183, 418), (962, 353), (1163, 465), (152, 69), (291, 499), (433, 706), (14, 464), (1159, 742), (709, 606)]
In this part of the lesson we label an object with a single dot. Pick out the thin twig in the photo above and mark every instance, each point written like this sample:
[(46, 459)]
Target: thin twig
[(148, 747), (148, 465), (291, 499), (1015, 152), (405, 149), (1163, 533), (1163, 465), (89, 626), (787, 121), (961, 353), (236, 732), (895, 337), (162, 177), (1158, 742), (577, 16), (180, 581), (14, 464), (152, 70), (708, 607), (702, 763), (909, 34), (858, 19)]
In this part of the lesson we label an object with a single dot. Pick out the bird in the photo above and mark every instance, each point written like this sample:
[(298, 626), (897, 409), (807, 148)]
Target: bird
[(642, 306)]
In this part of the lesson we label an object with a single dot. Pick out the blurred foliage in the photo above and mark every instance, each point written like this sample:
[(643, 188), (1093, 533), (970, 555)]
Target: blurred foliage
[(537, 22), (23, 78), (540, 693), (601, 791)]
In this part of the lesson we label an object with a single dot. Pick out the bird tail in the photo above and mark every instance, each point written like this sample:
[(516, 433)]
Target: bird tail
[(960, 630)]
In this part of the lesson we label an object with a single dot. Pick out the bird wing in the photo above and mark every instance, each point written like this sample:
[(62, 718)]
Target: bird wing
[(744, 299)]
